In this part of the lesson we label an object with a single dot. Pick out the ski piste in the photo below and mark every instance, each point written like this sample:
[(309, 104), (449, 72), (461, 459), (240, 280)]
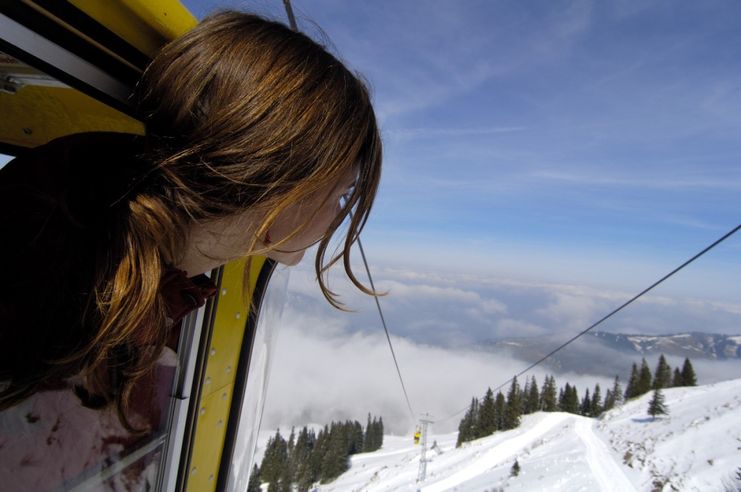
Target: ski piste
[(694, 448)]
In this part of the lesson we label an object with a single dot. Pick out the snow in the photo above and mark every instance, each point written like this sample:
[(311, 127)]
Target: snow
[(736, 339), (694, 448), (609, 475), (504, 452)]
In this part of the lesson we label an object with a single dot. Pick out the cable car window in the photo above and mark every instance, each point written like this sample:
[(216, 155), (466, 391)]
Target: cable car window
[(261, 356)]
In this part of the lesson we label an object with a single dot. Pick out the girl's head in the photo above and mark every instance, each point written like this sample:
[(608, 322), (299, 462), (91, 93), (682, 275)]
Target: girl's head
[(243, 116), (248, 123)]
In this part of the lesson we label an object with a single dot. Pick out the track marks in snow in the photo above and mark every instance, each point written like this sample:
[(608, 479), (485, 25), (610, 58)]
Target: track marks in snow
[(608, 474), (498, 454)]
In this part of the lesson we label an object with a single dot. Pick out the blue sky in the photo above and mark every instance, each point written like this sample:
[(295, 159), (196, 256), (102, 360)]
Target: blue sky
[(588, 142)]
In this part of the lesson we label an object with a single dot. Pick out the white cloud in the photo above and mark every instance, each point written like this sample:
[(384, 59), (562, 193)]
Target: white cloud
[(317, 378), (518, 328), (572, 311), (401, 291), (461, 309), (335, 365), (493, 306)]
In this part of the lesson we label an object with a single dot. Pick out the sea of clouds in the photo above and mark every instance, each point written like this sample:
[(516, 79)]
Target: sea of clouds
[(330, 364)]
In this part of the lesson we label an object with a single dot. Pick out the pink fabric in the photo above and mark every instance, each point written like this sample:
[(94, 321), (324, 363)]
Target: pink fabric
[(50, 440)]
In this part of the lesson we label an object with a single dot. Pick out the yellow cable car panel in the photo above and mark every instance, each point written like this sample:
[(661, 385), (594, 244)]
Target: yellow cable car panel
[(65, 111), (146, 25), (230, 323)]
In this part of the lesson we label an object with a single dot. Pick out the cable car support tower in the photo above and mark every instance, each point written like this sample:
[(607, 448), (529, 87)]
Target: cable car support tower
[(425, 421)]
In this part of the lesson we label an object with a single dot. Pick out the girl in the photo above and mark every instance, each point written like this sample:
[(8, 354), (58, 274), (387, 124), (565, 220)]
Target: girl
[(258, 141)]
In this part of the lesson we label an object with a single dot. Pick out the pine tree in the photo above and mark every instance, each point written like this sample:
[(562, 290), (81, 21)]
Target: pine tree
[(359, 437), (305, 481), (467, 428), (571, 402), (549, 402), (574, 400), (532, 397), (274, 486), (500, 406), (596, 407), (613, 396), (305, 473), (284, 481), (656, 405), (379, 433), (368, 444), (335, 459), (291, 440), (254, 483), (512, 410), (562, 397), (515, 470), (302, 454), (348, 431), (677, 379), (373, 438), (290, 467), (644, 379), (274, 460), (487, 421), (609, 401), (266, 465), (586, 405), (524, 392), (688, 374), (631, 391), (663, 374), (617, 391), (317, 455)]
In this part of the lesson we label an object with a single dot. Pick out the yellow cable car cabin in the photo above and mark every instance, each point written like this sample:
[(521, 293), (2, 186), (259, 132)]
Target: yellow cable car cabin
[(68, 67)]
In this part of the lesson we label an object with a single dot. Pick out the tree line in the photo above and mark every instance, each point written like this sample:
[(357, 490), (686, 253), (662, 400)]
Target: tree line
[(307, 458), (496, 413)]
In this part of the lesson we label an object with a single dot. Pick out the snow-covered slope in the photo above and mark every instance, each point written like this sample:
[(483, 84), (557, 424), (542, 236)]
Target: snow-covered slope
[(695, 448)]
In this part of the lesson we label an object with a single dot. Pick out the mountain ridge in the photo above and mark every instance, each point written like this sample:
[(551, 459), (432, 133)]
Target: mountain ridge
[(607, 354), (685, 344)]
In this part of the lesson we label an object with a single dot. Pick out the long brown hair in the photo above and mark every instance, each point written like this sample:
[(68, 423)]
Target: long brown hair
[(240, 112)]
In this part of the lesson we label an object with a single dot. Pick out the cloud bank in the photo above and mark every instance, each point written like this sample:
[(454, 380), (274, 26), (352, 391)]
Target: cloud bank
[(332, 365)]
